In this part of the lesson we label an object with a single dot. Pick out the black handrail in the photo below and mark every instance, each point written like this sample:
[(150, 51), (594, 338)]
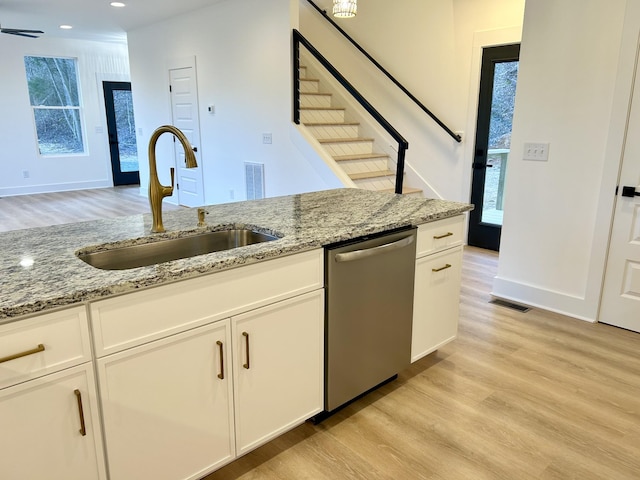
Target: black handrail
[(403, 145), (454, 135)]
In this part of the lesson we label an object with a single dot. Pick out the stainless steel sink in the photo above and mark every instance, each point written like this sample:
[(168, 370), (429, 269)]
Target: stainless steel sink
[(132, 256)]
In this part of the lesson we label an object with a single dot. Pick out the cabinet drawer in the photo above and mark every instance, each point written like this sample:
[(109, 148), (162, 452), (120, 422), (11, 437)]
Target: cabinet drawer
[(439, 235), (40, 345), (129, 320)]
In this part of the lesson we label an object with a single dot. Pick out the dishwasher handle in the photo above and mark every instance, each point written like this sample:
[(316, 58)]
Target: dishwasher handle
[(370, 252)]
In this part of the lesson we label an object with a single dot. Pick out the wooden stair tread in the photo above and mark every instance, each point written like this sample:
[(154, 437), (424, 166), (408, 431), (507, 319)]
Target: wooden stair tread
[(318, 94), (331, 124), (322, 108), (345, 140), (359, 156), (405, 190), (376, 174)]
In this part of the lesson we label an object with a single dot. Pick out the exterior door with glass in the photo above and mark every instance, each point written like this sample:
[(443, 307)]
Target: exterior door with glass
[(498, 78), (121, 128)]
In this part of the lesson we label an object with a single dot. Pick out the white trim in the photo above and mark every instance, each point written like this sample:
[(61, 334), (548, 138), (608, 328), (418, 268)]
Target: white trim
[(553, 301), (53, 187)]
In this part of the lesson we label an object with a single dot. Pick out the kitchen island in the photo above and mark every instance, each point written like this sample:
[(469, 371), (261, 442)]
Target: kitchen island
[(39, 269), (173, 370)]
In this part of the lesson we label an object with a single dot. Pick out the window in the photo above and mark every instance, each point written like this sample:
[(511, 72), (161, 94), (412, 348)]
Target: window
[(55, 99)]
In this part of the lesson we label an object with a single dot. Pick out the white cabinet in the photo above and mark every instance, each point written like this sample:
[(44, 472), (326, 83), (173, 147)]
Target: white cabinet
[(181, 394), (50, 423), (167, 406), (278, 363), (437, 286)]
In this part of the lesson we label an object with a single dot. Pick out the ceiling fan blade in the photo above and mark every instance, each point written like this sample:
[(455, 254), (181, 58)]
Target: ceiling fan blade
[(19, 33), (20, 30)]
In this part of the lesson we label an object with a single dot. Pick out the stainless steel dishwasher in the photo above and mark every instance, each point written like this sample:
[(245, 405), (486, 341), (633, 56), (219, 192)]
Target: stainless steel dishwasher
[(369, 294)]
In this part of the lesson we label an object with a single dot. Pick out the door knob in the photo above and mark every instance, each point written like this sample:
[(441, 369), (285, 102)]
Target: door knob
[(630, 192)]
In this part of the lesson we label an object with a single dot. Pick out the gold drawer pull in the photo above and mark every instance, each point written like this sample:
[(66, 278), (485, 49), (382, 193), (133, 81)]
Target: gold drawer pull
[(441, 268), (221, 374), (246, 338), (39, 348), (83, 429), (438, 237)]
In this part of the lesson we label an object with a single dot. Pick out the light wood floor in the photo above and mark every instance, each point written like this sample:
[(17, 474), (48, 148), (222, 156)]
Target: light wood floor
[(517, 396), (26, 211)]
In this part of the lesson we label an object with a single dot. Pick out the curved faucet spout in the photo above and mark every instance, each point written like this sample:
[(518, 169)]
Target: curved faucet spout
[(157, 191)]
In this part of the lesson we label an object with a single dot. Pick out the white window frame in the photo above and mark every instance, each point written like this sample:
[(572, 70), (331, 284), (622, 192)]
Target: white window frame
[(79, 108)]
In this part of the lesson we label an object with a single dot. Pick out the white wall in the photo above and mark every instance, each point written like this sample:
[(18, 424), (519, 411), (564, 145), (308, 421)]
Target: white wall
[(429, 46), (96, 62), (243, 59), (573, 89)]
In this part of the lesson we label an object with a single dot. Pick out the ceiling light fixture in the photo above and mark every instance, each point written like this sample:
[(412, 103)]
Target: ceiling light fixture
[(66, 27), (117, 4), (345, 8)]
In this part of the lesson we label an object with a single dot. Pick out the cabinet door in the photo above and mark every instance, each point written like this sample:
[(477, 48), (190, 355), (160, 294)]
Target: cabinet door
[(436, 301), (167, 413), (41, 428), (278, 360)]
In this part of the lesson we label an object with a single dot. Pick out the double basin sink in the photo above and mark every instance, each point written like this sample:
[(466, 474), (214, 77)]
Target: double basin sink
[(152, 253)]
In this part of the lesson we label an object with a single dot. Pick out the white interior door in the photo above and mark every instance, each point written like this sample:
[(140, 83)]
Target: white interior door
[(621, 294), (184, 109)]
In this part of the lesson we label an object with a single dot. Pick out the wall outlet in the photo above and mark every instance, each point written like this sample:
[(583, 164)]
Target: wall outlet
[(211, 109), (536, 151), (232, 194), (25, 173), (266, 138)]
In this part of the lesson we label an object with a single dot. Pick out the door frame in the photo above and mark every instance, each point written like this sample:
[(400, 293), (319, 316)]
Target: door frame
[(119, 177), (481, 39), (481, 234)]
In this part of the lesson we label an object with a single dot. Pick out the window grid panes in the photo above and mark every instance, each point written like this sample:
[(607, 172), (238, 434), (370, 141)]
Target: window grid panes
[(55, 98)]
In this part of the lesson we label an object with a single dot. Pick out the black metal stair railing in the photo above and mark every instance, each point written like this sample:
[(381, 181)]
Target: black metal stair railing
[(451, 133), (403, 145)]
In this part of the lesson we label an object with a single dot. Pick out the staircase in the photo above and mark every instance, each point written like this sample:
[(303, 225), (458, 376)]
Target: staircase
[(341, 139)]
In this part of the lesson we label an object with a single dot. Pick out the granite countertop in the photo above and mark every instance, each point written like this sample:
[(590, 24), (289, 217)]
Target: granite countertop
[(40, 270)]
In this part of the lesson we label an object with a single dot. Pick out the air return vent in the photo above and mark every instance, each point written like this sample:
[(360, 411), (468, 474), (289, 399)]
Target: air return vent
[(512, 306), (254, 179)]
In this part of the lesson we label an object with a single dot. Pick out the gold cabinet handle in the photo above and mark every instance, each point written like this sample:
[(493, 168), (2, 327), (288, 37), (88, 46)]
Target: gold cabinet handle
[(438, 237), (441, 268), (246, 339), (83, 430), (39, 348), (221, 374)]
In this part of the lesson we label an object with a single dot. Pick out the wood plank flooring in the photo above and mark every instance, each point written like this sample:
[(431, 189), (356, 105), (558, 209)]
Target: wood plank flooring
[(517, 396), (26, 211)]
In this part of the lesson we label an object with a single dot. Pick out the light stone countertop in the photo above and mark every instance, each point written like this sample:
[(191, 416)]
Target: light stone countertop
[(307, 221)]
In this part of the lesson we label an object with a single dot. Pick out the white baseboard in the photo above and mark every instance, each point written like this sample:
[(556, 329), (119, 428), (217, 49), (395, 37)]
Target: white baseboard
[(553, 301), (54, 187)]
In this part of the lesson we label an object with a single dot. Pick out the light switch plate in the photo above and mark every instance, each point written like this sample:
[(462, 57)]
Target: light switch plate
[(267, 138), (536, 151)]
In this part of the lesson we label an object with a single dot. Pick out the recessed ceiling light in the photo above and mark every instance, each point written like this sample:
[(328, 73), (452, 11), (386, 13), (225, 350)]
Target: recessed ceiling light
[(66, 27), (117, 4)]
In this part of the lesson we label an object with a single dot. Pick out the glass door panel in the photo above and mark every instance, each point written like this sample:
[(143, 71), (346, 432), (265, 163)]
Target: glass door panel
[(122, 133), (498, 81)]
